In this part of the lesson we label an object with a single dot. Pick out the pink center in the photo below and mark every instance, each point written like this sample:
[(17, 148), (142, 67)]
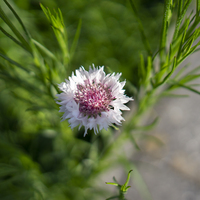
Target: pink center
[(93, 98)]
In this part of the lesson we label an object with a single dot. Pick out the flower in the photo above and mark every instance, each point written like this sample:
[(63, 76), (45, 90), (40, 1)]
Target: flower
[(92, 99)]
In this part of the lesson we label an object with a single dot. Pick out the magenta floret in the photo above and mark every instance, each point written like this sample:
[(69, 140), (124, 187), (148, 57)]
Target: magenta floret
[(93, 98)]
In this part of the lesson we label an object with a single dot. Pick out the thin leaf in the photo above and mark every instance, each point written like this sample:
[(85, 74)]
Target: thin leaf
[(182, 39), (188, 78), (180, 18), (115, 127), (197, 7), (59, 31), (166, 20), (13, 62), (190, 40), (196, 50), (127, 181), (137, 179), (188, 53), (140, 26), (12, 38), (186, 87), (15, 31), (36, 108), (61, 17), (184, 26), (193, 24), (169, 74), (148, 127), (110, 183), (149, 137), (186, 48), (180, 72), (113, 197), (166, 94), (18, 18), (194, 70), (109, 70), (194, 85), (170, 54), (140, 183), (142, 67), (134, 142), (148, 70), (23, 84), (131, 87), (180, 6), (157, 52), (44, 50), (37, 57), (62, 43), (46, 12), (76, 37), (7, 170)]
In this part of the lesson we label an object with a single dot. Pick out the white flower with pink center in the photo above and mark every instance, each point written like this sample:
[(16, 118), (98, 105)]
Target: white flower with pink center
[(92, 99)]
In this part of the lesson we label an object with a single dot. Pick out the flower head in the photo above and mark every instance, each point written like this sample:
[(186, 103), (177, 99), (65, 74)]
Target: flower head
[(92, 99)]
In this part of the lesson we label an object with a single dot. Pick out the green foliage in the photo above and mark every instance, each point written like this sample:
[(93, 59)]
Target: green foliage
[(41, 158), (122, 188)]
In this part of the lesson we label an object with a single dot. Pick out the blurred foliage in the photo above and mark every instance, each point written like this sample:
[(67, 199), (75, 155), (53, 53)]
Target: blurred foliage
[(110, 29), (41, 158)]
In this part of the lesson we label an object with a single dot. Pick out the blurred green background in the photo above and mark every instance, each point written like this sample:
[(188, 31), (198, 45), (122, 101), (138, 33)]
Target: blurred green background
[(109, 33), (41, 158)]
